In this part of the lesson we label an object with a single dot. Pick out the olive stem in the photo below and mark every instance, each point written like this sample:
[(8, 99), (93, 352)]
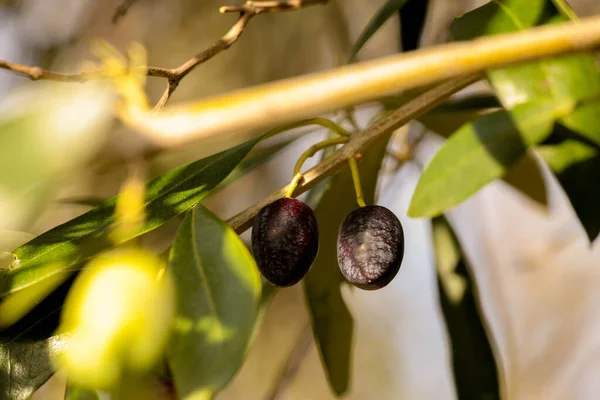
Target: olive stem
[(566, 9), (312, 150), (356, 180), (294, 184)]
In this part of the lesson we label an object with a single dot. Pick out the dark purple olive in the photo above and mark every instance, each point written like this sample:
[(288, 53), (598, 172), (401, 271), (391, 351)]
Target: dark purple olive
[(285, 241), (370, 247)]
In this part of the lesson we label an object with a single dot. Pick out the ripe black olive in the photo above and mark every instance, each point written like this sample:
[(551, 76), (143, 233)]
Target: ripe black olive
[(370, 247), (285, 241)]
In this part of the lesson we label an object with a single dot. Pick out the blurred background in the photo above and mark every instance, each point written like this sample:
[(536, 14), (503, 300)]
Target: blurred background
[(537, 275)]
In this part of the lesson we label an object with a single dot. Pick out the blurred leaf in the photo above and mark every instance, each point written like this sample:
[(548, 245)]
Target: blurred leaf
[(480, 152), (577, 167), (218, 294), (42, 320), (167, 195), (567, 77), (76, 393), (26, 366), (412, 21), (473, 365), (389, 8), (38, 121), (83, 201), (331, 320)]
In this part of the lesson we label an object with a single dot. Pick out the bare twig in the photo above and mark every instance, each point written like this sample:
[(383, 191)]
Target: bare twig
[(174, 75), (357, 144), (265, 106)]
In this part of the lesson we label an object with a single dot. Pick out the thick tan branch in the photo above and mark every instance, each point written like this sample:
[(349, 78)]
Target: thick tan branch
[(265, 106), (357, 144)]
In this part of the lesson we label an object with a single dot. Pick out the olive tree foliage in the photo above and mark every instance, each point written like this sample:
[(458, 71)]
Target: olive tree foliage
[(545, 106)]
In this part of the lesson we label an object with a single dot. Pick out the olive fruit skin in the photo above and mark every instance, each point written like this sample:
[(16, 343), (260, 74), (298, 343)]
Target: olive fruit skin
[(285, 241), (370, 247)]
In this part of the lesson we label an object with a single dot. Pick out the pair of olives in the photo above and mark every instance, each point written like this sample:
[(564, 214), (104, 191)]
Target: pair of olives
[(285, 242)]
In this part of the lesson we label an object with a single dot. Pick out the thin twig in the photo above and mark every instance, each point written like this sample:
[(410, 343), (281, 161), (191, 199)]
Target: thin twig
[(174, 75), (357, 144), (262, 107)]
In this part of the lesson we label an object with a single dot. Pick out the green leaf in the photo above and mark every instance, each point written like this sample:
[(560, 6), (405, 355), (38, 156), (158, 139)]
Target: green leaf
[(167, 195), (389, 8), (412, 22), (480, 152), (257, 157), (473, 365), (568, 77), (218, 294), (525, 175), (25, 366), (577, 166), (77, 393), (331, 321), (448, 117)]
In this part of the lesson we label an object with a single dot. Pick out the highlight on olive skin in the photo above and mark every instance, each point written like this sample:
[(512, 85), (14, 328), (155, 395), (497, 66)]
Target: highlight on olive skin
[(285, 241), (370, 247)]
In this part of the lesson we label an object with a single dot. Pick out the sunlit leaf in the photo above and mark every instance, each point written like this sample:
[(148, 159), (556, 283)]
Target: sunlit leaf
[(480, 152), (473, 365), (25, 366), (566, 77), (525, 175), (218, 294), (167, 195), (331, 320)]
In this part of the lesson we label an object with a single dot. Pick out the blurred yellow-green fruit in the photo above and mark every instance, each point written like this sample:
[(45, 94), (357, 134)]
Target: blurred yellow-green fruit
[(118, 315)]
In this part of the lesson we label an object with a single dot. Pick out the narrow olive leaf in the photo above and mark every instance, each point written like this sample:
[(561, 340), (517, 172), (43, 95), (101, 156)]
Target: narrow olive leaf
[(448, 117), (77, 393), (572, 77), (25, 366), (218, 294), (167, 195), (577, 167), (412, 21), (331, 321), (473, 364), (257, 157), (389, 8), (480, 152)]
